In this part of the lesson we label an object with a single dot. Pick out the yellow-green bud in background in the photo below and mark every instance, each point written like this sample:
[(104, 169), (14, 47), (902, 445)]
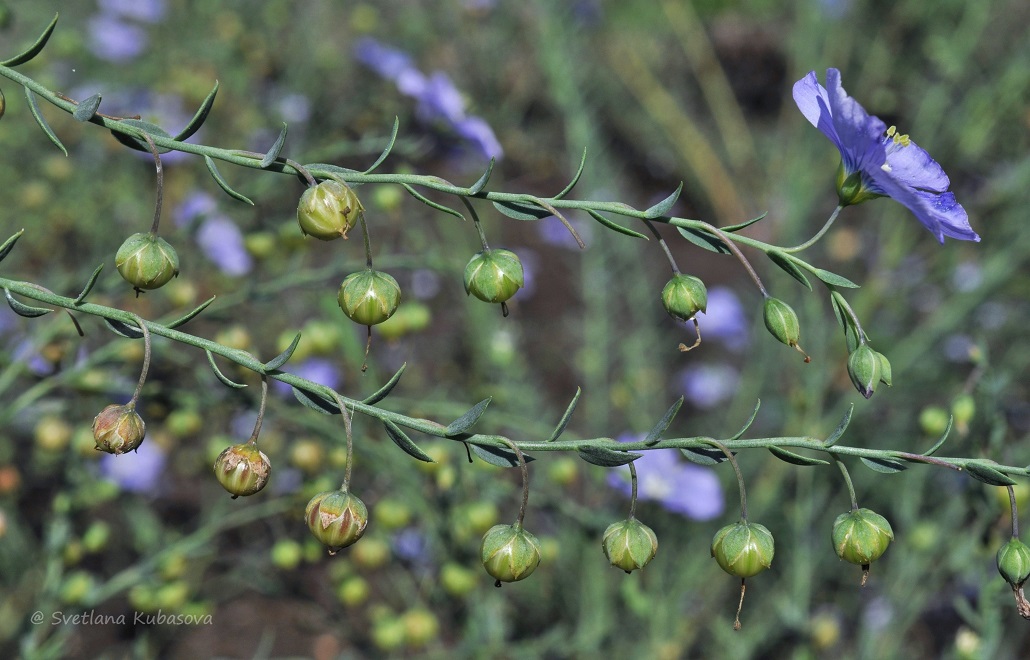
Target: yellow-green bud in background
[(146, 261), (509, 553), (629, 544), (864, 368), (336, 518), (494, 276), (328, 210), (861, 536), (369, 296), (684, 296), (118, 429), (782, 322), (743, 549), (1014, 562), (242, 469)]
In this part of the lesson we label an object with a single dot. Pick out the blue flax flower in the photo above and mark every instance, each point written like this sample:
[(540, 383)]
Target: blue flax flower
[(876, 161)]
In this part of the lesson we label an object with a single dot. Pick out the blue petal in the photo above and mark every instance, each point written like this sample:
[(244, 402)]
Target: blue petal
[(914, 167), (860, 134), (939, 212)]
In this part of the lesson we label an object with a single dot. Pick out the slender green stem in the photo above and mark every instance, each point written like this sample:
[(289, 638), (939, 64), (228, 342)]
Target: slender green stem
[(261, 410), (525, 480), (1014, 512), (632, 491), (812, 241), (146, 360), (740, 477), (160, 181), (847, 480), (664, 246), (476, 222), (368, 241), (739, 255)]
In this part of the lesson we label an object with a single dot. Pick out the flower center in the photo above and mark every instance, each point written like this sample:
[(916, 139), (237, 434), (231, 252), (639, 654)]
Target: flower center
[(894, 141)]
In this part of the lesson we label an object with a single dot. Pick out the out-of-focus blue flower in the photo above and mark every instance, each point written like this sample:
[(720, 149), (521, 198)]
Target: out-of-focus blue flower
[(679, 486), (114, 40), (195, 205), (724, 320), (411, 545), (555, 233), (221, 241), (148, 11), (708, 385), (885, 163), (137, 471), (438, 98), (295, 108), (317, 370), (26, 351), (424, 283)]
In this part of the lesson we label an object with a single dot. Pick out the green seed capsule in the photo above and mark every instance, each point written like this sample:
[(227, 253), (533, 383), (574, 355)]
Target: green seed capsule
[(369, 296), (861, 536), (146, 261), (494, 276), (336, 518), (118, 429), (242, 469), (1014, 562), (864, 368), (629, 544), (743, 549), (328, 210), (509, 553), (684, 296)]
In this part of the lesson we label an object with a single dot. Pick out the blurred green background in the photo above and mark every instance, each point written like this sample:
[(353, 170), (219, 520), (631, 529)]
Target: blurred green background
[(657, 92)]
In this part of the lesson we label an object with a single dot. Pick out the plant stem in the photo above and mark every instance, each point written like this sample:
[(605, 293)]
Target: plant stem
[(664, 246), (160, 181), (739, 255), (810, 242), (146, 360), (525, 480), (740, 477), (261, 410), (847, 480), (632, 491)]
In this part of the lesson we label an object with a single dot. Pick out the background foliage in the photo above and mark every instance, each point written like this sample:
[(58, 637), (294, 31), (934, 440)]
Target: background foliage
[(657, 92)]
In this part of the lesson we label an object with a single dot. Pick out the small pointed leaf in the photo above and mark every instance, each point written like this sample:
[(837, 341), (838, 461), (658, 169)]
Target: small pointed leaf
[(743, 225), (564, 421), (841, 427), (277, 147), (137, 143), (38, 116), (944, 436), (606, 457), (662, 207), (703, 240), (218, 374), (85, 110), (468, 420), (280, 360), (430, 203), (316, 402), (704, 455), (200, 117), (988, 475), (499, 456), (383, 391), (883, 465), (520, 211), (614, 226), (404, 442), (826, 276), (35, 48), (182, 320), (21, 309), (784, 262), (795, 459), (478, 186), (89, 284), (575, 179), (748, 423), (8, 245), (655, 434), (123, 329), (222, 183), (388, 149)]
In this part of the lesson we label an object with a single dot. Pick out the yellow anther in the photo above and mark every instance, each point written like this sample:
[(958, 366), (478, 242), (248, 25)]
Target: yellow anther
[(897, 138)]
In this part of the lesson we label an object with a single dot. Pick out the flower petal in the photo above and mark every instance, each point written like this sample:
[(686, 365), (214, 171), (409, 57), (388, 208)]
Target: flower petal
[(939, 212), (914, 167)]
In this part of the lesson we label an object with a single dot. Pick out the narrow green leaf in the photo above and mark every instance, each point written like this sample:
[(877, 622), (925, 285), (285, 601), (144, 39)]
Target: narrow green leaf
[(85, 110), (795, 459), (743, 225), (383, 391), (35, 48), (988, 475), (280, 360), (704, 455), (575, 179), (606, 457), (564, 421), (704, 240), (468, 420), (748, 423), (883, 465), (182, 320), (316, 402), (404, 442), (200, 117), (662, 207), (784, 261), (826, 276), (222, 183), (840, 309), (277, 147), (218, 374), (501, 457), (944, 436), (331, 169), (430, 203), (21, 309), (38, 116), (388, 149), (655, 434), (478, 186), (614, 226), (8, 245), (138, 143), (520, 211), (841, 427), (89, 284), (123, 329)]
